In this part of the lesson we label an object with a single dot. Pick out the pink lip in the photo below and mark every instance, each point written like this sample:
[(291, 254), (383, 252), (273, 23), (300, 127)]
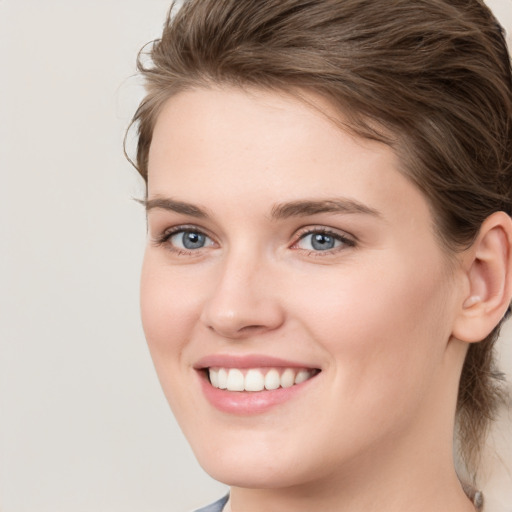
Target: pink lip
[(245, 403), (249, 361)]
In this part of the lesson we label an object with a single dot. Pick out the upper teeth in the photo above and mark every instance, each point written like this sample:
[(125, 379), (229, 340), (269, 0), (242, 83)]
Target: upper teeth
[(256, 379)]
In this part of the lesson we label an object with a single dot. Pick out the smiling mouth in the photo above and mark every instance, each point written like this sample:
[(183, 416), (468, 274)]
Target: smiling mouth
[(258, 379)]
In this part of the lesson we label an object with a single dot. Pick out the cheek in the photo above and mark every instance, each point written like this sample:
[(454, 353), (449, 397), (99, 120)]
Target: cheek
[(379, 322), (170, 312), (169, 309)]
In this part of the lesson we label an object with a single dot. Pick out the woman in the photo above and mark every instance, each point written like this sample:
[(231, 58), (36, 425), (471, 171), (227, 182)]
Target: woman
[(329, 257)]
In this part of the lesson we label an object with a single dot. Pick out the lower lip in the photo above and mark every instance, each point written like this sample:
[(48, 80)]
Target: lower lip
[(245, 403)]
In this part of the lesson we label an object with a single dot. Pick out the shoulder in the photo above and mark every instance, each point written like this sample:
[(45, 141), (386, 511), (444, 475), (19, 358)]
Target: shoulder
[(215, 507)]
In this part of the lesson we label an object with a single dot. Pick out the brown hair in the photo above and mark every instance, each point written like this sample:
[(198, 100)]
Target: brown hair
[(435, 74)]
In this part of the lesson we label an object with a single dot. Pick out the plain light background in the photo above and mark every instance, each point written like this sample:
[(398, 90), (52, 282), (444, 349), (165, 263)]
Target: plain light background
[(84, 425)]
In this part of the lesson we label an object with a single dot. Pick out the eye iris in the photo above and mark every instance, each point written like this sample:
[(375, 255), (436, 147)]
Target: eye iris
[(193, 240), (322, 242)]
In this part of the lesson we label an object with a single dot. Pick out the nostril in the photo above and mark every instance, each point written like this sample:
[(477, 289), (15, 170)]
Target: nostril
[(252, 328), (238, 331)]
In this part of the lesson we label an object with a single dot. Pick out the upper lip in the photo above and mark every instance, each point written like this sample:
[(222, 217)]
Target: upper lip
[(246, 361)]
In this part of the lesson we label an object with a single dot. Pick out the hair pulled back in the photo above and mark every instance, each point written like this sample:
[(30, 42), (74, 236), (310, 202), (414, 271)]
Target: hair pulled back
[(431, 78)]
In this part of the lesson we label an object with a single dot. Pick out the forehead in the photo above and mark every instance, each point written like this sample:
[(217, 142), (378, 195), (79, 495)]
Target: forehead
[(259, 146)]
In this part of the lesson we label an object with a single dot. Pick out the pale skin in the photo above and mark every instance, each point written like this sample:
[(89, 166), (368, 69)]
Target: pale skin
[(380, 309)]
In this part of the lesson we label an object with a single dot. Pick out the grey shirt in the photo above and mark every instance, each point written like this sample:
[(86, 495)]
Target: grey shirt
[(215, 507)]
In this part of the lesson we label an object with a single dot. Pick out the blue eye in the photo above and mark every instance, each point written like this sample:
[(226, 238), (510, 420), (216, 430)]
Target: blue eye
[(189, 240), (322, 241)]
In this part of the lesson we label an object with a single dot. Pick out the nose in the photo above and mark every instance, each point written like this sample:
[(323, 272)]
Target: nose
[(244, 300)]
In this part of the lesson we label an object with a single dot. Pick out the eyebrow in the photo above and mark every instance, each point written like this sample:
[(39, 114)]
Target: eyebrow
[(300, 208), (166, 203), (310, 207)]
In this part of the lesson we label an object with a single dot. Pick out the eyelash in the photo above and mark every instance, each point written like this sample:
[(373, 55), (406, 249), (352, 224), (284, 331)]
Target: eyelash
[(319, 230), (345, 241), (164, 239)]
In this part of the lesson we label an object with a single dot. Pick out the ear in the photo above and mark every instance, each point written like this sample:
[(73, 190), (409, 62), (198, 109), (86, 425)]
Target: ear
[(488, 271)]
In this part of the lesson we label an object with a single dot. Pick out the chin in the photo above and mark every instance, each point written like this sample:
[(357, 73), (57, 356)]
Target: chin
[(246, 464), (258, 460), (251, 474)]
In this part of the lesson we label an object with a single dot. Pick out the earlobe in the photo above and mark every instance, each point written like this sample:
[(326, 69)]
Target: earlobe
[(489, 274)]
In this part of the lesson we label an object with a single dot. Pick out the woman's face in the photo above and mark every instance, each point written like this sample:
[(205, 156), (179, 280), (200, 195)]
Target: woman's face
[(285, 253)]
